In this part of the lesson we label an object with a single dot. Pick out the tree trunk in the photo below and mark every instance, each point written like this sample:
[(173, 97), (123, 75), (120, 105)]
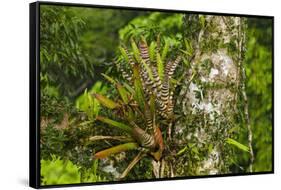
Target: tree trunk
[(209, 100)]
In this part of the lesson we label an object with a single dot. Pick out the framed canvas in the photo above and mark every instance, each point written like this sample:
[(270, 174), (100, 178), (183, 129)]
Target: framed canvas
[(120, 94)]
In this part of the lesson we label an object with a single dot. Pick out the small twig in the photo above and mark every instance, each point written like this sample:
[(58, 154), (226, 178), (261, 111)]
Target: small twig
[(156, 168), (247, 120), (170, 131), (162, 168), (171, 170), (245, 99), (119, 138), (131, 165)]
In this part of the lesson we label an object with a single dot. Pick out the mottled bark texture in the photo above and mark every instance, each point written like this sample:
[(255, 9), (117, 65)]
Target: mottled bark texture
[(209, 98)]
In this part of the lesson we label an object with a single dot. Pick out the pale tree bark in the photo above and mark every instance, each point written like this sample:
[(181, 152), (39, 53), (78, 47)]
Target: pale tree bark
[(210, 98)]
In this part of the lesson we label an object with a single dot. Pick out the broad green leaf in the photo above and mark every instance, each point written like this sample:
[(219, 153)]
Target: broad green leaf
[(123, 93), (237, 144), (160, 66), (106, 101), (58, 171), (117, 124), (116, 149)]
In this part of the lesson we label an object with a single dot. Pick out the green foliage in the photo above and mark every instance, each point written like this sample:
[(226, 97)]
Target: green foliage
[(151, 26), (77, 106), (60, 51), (87, 103), (259, 90), (237, 144), (58, 171)]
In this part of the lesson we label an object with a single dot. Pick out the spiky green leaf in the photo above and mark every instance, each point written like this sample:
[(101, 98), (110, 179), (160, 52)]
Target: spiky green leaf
[(135, 51), (124, 54), (123, 93), (111, 80), (129, 88), (139, 95), (106, 101), (165, 50), (117, 124)]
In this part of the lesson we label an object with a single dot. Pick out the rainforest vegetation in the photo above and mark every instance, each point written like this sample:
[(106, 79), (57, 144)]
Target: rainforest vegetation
[(134, 95)]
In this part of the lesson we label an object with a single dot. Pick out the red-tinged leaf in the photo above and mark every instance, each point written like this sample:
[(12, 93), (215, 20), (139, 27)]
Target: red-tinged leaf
[(159, 140), (106, 101), (117, 124), (116, 149)]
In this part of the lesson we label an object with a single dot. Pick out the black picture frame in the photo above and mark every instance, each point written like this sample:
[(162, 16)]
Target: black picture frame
[(34, 92)]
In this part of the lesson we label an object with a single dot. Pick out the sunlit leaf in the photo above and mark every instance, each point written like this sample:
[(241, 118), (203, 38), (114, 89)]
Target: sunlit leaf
[(106, 101)]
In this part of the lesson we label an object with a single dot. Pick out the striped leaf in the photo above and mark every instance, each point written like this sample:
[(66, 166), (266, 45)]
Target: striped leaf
[(159, 140), (148, 70), (116, 149), (117, 124)]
